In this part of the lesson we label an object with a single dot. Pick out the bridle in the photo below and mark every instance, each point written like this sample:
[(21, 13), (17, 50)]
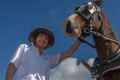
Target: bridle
[(92, 9)]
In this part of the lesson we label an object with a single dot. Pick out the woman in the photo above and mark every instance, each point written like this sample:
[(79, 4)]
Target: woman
[(30, 63)]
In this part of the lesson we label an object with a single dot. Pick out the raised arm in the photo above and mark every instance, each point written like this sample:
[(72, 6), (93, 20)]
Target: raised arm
[(70, 51)]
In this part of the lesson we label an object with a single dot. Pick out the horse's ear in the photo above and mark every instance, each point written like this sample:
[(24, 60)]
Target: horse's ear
[(99, 2)]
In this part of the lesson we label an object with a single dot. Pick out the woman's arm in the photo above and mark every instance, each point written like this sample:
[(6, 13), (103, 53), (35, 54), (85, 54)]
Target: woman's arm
[(70, 51), (10, 71)]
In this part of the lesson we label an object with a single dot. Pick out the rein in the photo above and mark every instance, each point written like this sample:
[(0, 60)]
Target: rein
[(90, 31)]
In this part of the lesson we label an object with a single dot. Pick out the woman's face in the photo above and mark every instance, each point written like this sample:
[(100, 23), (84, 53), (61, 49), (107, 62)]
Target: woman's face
[(41, 41)]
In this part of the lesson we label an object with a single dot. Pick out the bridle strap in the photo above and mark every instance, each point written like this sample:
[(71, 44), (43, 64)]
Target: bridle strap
[(89, 31)]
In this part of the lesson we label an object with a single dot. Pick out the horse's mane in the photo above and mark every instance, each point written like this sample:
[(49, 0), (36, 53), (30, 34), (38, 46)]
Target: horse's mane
[(107, 30)]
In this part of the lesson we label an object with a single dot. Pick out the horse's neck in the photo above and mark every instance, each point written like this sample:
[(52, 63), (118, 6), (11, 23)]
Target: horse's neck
[(106, 48)]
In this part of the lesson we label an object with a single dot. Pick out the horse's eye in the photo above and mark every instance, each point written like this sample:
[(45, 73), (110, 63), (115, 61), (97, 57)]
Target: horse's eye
[(100, 18), (80, 8)]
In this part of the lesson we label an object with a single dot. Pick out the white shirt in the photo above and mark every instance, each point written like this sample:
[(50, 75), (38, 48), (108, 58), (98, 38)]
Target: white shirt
[(30, 64)]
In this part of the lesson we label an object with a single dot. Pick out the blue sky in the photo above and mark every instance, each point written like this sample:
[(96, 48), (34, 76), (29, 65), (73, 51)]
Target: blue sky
[(19, 17)]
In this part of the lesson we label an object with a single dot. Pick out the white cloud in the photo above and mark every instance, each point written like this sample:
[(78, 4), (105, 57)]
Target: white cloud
[(69, 70)]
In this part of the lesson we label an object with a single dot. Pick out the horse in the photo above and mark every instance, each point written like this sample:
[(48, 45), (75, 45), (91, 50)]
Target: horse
[(89, 19)]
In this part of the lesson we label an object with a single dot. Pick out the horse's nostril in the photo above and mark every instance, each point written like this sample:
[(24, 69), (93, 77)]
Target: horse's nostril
[(68, 27)]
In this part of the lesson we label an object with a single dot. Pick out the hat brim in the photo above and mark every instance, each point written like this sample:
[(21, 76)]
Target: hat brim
[(37, 31)]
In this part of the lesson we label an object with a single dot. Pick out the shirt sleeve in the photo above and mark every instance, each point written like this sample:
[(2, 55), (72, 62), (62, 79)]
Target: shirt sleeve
[(54, 60), (17, 57)]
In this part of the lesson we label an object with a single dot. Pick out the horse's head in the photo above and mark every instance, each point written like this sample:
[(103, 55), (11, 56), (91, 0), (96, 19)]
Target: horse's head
[(85, 17)]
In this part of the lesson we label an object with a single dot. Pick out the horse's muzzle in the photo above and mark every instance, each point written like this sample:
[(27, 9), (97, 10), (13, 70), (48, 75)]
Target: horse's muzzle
[(72, 30)]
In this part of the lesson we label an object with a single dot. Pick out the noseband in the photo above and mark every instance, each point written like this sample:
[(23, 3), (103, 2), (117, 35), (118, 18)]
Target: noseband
[(90, 8)]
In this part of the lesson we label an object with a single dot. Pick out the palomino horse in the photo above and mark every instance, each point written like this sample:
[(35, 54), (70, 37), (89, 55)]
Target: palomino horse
[(89, 20)]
